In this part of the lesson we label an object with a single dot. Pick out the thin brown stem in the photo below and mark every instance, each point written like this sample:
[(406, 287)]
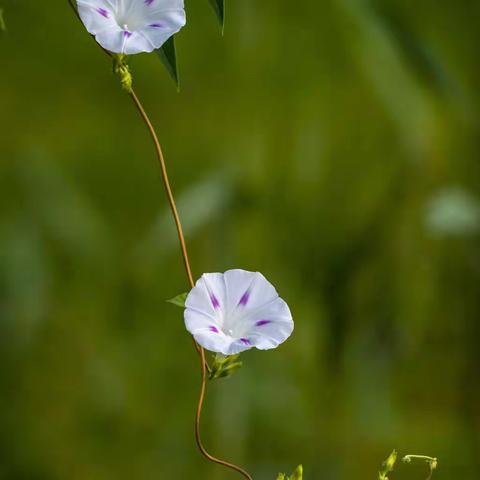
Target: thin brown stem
[(166, 184), (183, 247), (170, 197), (201, 351), (198, 417)]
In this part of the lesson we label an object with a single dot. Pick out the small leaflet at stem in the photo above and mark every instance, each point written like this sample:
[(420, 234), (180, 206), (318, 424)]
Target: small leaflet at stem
[(167, 53), (219, 7), (179, 300), (387, 465), (296, 475)]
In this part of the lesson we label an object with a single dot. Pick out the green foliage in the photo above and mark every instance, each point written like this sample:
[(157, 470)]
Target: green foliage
[(388, 466), (219, 7), (168, 51), (168, 56), (296, 475), (224, 366), (179, 300)]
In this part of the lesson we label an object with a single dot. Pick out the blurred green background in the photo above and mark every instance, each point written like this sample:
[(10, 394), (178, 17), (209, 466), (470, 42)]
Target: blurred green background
[(332, 145)]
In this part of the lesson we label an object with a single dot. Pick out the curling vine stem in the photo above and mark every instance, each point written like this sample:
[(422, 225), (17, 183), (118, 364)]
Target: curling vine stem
[(201, 351), (171, 200)]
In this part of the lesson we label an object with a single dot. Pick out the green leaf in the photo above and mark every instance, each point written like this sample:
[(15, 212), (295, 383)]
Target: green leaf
[(219, 7), (179, 300), (168, 55)]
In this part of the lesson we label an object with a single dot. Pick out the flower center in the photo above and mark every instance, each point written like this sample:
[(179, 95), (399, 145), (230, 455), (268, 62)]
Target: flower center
[(129, 23), (234, 325)]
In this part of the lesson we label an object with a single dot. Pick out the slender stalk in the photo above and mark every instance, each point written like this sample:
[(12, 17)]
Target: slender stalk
[(201, 351), (166, 184), (183, 247), (197, 425)]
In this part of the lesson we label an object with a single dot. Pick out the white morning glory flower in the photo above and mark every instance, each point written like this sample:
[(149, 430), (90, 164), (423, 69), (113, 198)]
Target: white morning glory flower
[(233, 311), (132, 26)]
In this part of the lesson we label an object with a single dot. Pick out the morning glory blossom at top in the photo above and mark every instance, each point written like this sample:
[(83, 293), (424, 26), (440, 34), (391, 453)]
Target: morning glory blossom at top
[(234, 311), (132, 26)]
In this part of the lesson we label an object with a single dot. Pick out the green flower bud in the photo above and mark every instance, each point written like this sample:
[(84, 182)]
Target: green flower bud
[(388, 466)]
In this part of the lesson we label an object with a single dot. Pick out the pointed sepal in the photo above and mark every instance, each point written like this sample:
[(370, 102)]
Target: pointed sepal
[(224, 366)]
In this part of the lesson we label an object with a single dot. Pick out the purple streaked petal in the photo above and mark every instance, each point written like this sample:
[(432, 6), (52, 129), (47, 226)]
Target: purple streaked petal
[(102, 12), (215, 302), (244, 300), (148, 24), (235, 311), (262, 323)]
